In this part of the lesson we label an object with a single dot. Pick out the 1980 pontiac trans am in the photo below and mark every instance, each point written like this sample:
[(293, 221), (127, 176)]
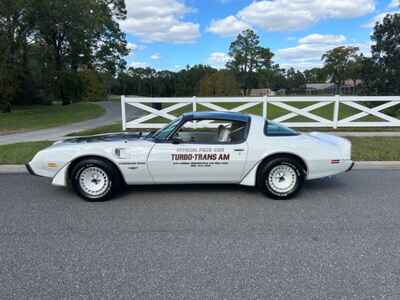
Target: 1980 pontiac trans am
[(200, 147)]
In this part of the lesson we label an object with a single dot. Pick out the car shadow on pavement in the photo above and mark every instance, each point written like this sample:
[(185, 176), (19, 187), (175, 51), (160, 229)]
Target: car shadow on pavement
[(192, 188), (312, 186)]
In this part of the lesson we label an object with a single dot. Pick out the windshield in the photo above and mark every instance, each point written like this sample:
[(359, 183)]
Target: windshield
[(165, 132)]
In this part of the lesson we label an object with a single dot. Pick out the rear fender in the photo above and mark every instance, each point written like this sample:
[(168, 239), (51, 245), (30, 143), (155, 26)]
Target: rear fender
[(250, 178)]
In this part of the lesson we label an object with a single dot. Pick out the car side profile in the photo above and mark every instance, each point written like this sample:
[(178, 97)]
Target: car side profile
[(198, 147)]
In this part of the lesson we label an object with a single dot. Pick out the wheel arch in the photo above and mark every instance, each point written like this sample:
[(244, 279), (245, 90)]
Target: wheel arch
[(250, 179), (76, 160), (283, 154)]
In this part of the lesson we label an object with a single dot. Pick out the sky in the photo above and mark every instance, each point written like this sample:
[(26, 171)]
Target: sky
[(170, 34)]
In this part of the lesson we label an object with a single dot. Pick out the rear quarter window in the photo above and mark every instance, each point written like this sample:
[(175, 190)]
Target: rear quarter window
[(276, 129)]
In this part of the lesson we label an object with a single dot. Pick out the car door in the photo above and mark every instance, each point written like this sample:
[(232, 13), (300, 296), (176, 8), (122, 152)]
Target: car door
[(188, 161)]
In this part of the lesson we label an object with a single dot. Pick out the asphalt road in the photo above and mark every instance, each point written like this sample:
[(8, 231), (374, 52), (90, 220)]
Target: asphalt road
[(339, 239)]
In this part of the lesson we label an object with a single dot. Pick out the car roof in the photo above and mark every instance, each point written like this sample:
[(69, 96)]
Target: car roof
[(217, 115)]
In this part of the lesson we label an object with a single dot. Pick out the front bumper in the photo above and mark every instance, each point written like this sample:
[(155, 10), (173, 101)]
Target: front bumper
[(30, 170)]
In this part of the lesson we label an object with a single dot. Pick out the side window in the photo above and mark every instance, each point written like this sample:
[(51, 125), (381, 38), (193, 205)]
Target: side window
[(275, 129), (212, 132)]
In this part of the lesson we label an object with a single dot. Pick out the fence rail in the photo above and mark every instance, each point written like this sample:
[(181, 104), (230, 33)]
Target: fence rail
[(326, 111)]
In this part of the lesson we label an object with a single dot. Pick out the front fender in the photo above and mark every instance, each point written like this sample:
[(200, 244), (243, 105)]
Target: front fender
[(61, 178)]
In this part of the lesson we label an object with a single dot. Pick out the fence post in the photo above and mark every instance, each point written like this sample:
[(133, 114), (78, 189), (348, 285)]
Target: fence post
[(336, 111), (194, 102), (194, 108), (265, 111), (123, 112)]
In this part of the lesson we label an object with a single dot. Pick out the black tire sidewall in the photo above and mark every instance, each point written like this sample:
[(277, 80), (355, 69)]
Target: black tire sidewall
[(265, 170), (106, 167)]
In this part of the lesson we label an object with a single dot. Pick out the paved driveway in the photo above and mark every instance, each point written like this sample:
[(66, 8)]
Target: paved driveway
[(339, 240), (112, 115)]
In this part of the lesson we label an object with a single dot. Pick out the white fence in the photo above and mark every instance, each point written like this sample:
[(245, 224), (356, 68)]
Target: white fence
[(340, 111)]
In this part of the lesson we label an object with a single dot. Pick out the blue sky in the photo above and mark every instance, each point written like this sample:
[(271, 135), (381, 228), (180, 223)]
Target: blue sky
[(170, 34)]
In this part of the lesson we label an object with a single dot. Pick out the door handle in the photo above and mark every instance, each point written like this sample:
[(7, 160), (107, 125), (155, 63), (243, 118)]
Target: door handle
[(238, 150)]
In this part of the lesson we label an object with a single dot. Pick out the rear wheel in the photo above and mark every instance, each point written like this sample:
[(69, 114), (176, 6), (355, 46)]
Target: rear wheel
[(281, 178), (95, 179)]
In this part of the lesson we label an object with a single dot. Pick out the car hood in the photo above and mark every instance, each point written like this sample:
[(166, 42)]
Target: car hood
[(102, 138)]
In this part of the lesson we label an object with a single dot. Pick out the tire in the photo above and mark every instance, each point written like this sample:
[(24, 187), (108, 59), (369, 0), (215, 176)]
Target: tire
[(281, 178), (95, 180)]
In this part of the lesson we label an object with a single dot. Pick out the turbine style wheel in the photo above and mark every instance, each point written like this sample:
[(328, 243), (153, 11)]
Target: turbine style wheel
[(281, 178), (95, 179)]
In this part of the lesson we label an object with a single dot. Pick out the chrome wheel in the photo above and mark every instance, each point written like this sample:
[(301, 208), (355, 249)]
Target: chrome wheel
[(94, 181), (282, 179)]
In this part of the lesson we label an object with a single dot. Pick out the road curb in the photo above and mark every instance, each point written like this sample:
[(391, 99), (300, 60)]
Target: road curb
[(359, 165), (377, 165), (12, 169)]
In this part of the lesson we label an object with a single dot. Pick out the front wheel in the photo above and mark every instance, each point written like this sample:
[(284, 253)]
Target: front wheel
[(281, 178), (95, 180)]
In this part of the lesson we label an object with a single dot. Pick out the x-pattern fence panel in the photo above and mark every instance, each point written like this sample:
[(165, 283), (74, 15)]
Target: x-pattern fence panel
[(327, 111)]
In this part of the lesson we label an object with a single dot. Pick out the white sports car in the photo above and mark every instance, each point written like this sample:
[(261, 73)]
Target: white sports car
[(200, 147)]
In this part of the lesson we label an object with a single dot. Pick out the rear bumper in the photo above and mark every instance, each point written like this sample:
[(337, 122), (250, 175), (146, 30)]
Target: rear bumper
[(351, 167)]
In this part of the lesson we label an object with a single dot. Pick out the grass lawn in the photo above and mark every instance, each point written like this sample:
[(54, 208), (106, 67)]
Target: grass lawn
[(21, 153), (114, 97), (376, 148), (35, 117), (364, 149), (117, 127)]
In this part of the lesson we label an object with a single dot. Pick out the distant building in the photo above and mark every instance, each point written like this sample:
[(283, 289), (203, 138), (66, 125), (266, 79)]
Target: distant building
[(350, 83), (261, 92), (318, 88), (350, 86)]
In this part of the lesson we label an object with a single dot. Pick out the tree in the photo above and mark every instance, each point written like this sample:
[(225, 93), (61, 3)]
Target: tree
[(44, 46), (295, 80), (370, 74), (221, 83), (386, 52), (78, 33), (354, 70), (316, 75), (14, 30), (248, 57), (187, 80), (337, 62)]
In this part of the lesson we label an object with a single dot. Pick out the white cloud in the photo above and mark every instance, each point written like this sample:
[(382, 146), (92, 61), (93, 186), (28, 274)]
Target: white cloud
[(394, 4), (308, 52), (160, 21), (322, 39), (132, 47), (155, 56), (178, 67), (229, 26), (302, 55), (378, 19), (138, 64), (284, 15), (218, 59)]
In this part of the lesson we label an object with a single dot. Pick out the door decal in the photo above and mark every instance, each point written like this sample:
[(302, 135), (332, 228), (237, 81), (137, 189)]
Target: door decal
[(200, 157)]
